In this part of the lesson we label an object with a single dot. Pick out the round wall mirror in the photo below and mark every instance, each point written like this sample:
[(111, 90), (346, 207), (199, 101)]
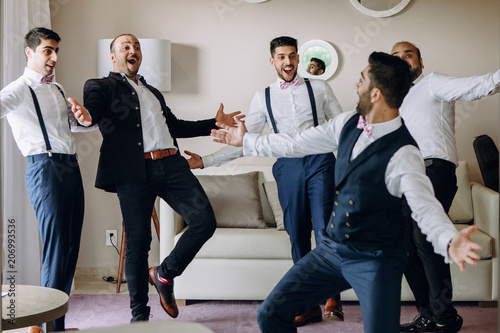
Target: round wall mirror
[(379, 8), (318, 60)]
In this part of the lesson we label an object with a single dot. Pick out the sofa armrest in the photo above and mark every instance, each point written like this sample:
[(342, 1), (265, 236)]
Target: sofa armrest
[(171, 224), (486, 217), (486, 213)]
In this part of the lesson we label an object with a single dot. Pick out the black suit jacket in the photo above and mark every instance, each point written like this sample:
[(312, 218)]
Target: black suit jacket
[(114, 105)]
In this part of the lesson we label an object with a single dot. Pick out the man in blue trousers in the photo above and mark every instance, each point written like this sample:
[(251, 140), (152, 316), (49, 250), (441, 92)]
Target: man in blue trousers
[(378, 167), (42, 122), (288, 105)]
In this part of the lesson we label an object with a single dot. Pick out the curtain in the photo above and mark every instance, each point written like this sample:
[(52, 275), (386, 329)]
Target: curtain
[(21, 241)]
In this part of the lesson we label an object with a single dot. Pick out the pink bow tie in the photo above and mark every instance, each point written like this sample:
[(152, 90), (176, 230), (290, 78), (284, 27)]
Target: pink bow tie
[(294, 82), (47, 79), (367, 129)]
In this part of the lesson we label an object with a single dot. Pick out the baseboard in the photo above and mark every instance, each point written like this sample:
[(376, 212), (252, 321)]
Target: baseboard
[(488, 304)]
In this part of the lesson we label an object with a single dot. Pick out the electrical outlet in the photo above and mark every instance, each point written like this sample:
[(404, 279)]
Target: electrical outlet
[(111, 235)]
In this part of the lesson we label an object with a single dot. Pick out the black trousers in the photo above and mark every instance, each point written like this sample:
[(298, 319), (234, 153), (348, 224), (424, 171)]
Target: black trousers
[(427, 274), (171, 179)]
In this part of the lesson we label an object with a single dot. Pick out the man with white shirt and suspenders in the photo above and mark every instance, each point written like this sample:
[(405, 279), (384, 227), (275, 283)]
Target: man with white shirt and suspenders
[(42, 121), (289, 105)]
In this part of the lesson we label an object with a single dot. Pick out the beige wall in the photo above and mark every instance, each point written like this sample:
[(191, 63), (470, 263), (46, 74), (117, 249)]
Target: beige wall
[(220, 54)]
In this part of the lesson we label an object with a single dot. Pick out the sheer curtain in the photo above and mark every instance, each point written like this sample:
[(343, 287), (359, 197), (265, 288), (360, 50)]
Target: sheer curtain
[(23, 260)]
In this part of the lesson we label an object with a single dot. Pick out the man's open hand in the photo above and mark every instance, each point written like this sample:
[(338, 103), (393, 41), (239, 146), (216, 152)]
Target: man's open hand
[(195, 162), (462, 248), (227, 119), (231, 135)]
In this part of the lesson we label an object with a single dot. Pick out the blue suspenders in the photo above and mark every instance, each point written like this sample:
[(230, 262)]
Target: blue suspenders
[(311, 99), (40, 118)]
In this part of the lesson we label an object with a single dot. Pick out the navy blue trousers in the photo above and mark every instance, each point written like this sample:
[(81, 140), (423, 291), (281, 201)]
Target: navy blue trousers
[(305, 191), (55, 190), (427, 274), (329, 269), (171, 179)]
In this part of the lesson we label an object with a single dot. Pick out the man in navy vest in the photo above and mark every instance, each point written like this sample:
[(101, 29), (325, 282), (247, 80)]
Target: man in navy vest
[(378, 167)]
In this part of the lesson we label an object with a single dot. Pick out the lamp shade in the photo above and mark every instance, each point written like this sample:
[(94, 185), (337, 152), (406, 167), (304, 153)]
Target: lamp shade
[(155, 66)]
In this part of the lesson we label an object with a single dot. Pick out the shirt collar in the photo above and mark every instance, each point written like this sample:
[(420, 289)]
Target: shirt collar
[(381, 129), (139, 76), (418, 79), (33, 76)]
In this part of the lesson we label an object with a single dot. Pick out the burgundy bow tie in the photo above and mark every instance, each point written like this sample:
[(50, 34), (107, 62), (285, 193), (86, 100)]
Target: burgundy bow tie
[(47, 79), (367, 129), (294, 82)]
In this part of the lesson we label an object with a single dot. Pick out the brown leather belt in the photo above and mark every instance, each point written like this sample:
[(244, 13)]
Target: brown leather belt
[(154, 155)]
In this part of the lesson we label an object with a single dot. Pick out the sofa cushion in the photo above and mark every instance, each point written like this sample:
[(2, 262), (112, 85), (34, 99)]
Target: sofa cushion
[(266, 207), (483, 239), (222, 191), (272, 197), (243, 243)]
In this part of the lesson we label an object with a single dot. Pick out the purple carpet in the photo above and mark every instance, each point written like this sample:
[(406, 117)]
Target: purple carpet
[(90, 311)]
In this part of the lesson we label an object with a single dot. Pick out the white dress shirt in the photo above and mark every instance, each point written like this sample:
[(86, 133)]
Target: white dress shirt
[(429, 109), (291, 110), (16, 103), (155, 132), (405, 173)]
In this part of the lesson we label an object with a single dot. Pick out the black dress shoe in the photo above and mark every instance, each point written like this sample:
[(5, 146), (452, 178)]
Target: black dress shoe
[(453, 327), (420, 324), (166, 293)]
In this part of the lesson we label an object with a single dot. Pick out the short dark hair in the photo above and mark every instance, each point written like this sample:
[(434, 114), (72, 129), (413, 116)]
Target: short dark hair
[(34, 37), (320, 63), (112, 45), (391, 75), (282, 41)]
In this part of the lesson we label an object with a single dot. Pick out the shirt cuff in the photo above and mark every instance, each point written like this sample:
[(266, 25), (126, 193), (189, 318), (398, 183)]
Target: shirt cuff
[(208, 161), (249, 143), (444, 240)]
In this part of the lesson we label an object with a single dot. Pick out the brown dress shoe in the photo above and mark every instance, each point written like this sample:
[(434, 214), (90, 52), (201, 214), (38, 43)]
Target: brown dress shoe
[(166, 293), (333, 310), (310, 316)]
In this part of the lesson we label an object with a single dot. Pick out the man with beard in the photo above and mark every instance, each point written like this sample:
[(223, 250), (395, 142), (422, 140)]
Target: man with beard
[(139, 161), (429, 113), (289, 105), (378, 165), (316, 66)]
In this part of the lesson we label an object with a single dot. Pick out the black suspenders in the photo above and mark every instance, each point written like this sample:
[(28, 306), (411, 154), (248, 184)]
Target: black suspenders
[(311, 99), (40, 118)]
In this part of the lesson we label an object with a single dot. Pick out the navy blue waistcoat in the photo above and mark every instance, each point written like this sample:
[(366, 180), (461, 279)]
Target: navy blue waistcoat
[(365, 215)]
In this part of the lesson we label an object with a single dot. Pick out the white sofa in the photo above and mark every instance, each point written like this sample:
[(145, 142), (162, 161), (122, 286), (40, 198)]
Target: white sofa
[(246, 263)]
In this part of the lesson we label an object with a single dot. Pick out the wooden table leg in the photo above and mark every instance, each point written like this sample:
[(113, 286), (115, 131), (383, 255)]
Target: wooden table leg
[(122, 258), (123, 247)]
